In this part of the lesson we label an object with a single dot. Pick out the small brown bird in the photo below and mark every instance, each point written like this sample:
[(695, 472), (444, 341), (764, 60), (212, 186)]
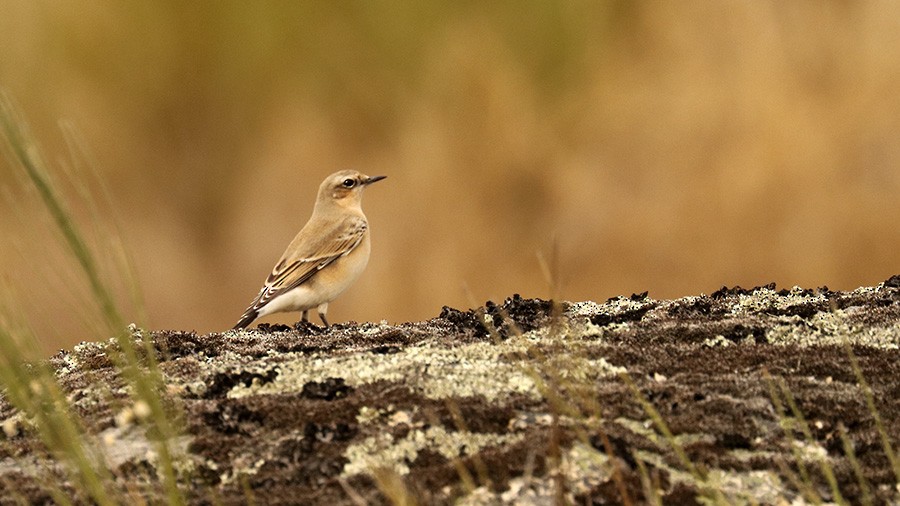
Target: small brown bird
[(325, 258)]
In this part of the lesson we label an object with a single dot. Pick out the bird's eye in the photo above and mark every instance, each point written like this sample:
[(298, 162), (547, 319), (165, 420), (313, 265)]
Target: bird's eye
[(349, 183)]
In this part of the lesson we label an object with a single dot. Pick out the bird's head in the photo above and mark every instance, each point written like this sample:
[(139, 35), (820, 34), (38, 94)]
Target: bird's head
[(344, 188)]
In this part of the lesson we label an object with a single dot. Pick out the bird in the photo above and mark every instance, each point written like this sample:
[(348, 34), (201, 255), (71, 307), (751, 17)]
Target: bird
[(328, 254)]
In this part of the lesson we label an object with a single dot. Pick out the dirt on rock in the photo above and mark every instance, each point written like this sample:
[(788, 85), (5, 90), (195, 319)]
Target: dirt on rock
[(741, 396)]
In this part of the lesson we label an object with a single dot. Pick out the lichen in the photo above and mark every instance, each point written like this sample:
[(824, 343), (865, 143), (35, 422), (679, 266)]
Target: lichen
[(582, 468), (832, 328), (745, 487), (725, 486), (645, 429), (434, 371), (764, 299), (383, 451)]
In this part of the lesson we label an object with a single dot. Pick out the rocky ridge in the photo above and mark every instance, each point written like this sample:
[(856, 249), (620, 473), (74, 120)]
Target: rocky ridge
[(631, 400)]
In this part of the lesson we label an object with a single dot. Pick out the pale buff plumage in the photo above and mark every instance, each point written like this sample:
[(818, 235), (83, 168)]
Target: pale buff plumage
[(326, 257)]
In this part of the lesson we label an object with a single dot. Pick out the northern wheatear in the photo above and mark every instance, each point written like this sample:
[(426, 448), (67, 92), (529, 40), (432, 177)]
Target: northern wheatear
[(326, 257)]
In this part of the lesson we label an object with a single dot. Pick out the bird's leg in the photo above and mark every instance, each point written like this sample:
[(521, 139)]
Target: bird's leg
[(305, 317), (323, 309)]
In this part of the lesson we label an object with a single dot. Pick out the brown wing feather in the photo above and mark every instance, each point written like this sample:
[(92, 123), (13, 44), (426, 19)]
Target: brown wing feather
[(289, 274), (299, 271)]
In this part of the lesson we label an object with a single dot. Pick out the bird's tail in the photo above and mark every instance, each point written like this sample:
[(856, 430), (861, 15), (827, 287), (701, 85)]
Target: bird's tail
[(247, 318)]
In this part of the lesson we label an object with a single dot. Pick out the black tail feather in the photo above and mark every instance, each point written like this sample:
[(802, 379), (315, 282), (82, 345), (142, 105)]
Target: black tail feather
[(246, 319)]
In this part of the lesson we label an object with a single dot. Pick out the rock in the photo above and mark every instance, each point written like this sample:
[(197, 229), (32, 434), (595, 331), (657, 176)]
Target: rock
[(520, 402)]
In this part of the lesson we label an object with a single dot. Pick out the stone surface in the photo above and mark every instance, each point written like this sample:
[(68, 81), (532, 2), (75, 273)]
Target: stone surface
[(523, 402)]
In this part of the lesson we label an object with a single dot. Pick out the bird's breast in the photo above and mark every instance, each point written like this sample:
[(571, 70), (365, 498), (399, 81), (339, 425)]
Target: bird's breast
[(327, 284)]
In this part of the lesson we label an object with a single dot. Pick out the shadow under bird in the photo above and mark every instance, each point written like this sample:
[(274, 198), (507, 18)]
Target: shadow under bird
[(325, 258)]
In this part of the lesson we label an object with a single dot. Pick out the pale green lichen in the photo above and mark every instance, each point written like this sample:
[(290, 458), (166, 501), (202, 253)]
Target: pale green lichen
[(828, 327), (242, 467), (584, 308), (809, 452), (833, 328), (611, 308), (388, 417), (646, 429), (764, 299), (131, 444), (69, 365), (642, 428), (748, 487), (368, 415), (383, 451), (730, 487), (582, 468), (717, 341), (749, 455), (434, 371), (13, 425), (585, 468)]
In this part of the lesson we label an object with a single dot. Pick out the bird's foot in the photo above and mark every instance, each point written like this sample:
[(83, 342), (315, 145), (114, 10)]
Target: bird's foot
[(272, 327), (307, 327)]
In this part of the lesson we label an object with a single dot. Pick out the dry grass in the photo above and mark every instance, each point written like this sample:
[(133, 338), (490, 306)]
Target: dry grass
[(27, 379)]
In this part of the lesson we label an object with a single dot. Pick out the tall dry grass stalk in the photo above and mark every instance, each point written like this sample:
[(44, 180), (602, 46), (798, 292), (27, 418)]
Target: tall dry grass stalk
[(32, 387)]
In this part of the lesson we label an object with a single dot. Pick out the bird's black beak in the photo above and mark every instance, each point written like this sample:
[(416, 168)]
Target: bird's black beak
[(372, 179)]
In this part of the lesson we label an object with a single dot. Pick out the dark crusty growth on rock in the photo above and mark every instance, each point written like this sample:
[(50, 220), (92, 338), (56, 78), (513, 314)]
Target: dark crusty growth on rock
[(288, 415)]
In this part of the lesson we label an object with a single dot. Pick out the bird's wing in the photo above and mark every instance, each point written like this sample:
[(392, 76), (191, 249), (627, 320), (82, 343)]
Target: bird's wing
[(306, 256)]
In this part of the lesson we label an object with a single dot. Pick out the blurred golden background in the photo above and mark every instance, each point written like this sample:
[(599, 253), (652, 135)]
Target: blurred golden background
[(664, 146)]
